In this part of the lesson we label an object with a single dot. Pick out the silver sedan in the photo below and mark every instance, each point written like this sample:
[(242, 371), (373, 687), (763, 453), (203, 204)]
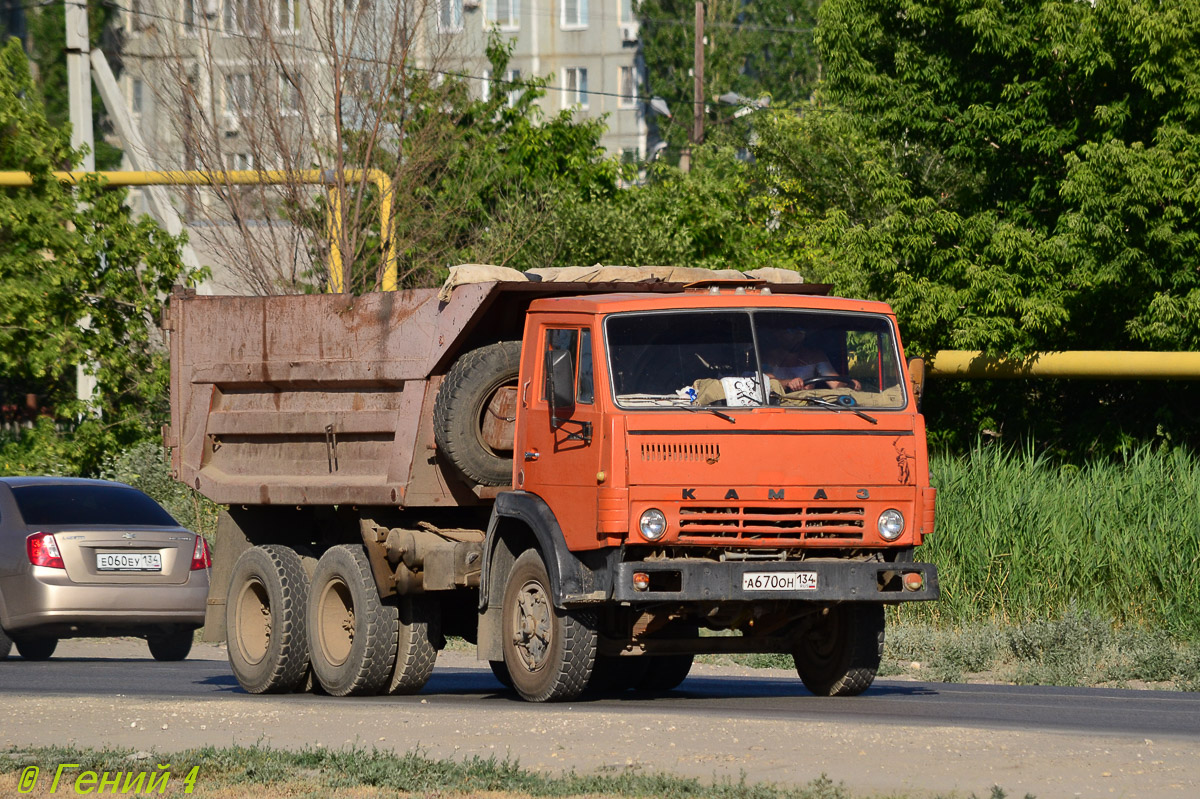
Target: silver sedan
[(87, 558)]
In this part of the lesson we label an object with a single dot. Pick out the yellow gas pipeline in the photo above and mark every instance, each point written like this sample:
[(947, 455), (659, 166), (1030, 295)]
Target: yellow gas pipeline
[(1074, 364), (276, 177)]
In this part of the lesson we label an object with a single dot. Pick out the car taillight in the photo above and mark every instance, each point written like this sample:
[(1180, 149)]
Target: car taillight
[(201, 557), (43, 551)]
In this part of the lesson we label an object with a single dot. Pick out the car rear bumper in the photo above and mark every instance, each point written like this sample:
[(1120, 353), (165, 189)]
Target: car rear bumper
[(42, 602)]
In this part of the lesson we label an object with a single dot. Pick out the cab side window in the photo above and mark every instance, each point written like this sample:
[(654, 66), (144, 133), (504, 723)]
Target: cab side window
[(579, 344)]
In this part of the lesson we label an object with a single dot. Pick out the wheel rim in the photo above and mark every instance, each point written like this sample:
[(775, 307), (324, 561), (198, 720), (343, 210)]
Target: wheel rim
[(823, 642), (253, 621), (489, 398), (532, 633), (335, 622)]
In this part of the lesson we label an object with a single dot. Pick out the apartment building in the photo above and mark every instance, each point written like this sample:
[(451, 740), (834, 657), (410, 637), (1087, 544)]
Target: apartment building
[(199, 73)]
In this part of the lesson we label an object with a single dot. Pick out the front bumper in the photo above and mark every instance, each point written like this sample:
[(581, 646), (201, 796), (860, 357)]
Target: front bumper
[(691, 580)]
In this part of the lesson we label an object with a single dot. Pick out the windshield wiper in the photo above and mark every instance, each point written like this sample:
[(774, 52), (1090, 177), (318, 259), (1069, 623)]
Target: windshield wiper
[(837, 406), (711, 410)]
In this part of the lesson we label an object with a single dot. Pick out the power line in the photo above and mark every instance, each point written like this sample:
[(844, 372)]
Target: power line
[(366, 59)]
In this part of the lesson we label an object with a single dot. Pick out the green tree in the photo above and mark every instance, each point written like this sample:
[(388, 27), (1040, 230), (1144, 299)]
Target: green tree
[(1012, 177), (1075, 125), (755, 48), (47, 31), (80, 283)]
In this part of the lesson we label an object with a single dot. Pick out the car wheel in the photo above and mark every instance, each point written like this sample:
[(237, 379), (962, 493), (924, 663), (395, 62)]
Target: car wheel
[(264, 620), (549, 652), (171, 646), (839, 654), (5, 644), (36, 648), (352, 634)]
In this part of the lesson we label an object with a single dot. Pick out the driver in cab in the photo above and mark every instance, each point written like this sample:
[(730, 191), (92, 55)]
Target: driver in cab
[(797, 366)]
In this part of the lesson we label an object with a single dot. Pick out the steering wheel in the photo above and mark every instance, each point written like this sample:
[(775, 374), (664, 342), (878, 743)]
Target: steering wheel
[(812, 381)]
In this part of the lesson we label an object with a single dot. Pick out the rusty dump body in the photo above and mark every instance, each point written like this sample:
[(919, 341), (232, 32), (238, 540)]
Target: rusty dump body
[(567, 474), (327, 399)]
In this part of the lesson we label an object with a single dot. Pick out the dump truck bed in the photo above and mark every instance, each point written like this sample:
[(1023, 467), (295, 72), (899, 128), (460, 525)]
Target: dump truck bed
[(327, 399)]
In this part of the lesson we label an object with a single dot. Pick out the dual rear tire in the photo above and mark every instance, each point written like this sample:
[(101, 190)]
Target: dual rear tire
[(287, 631)]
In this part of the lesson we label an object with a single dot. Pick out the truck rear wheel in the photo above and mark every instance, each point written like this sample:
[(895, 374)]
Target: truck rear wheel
[(665, 672), (264, 620), (839, 655), (550, 653), (469, 397), (418, 633), (351, 633)]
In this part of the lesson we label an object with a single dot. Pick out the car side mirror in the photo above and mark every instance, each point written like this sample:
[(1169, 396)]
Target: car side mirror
[(916, 371)]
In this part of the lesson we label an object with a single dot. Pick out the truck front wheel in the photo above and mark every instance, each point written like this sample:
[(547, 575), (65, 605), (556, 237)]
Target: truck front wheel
[(351, 633), (264, 620), (839, 654), (549, 652)]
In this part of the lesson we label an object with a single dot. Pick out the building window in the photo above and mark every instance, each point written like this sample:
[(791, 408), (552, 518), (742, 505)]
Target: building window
[(234, 161), (574, 14), (575, 87), (237, 94), (289, 93), (240, 16), (450, 16), (287, 16), (625, 12), (191, 13), (137, 91), (505, 13), (627, 88), (509, 83)]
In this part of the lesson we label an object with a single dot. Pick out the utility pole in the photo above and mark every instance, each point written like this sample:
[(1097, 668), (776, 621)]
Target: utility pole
[(697, 137), (79, 82), (698, 70)]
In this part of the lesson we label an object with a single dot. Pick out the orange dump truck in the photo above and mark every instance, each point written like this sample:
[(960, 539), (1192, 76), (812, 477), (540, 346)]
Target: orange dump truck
[(582, 479)]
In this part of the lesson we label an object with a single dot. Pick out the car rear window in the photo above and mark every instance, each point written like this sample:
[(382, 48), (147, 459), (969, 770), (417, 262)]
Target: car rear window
[(88, 504)]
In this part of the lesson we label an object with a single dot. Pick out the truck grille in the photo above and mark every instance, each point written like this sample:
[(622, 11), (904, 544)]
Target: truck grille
[(775, 523), (703, 453)]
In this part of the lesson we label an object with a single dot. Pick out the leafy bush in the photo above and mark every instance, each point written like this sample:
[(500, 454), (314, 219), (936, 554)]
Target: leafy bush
[(144, 467)]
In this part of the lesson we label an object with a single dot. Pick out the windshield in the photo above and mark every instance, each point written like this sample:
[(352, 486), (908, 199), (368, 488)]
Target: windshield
[(752, 358)]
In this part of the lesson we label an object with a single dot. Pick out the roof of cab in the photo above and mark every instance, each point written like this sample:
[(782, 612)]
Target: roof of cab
[(597, 304)]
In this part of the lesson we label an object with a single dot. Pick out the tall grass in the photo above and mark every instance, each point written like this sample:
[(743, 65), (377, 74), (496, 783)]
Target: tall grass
[(1020, 537)]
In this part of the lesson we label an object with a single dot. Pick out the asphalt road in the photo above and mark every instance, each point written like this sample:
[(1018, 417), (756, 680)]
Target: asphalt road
[(910, 738), (1079, 710)]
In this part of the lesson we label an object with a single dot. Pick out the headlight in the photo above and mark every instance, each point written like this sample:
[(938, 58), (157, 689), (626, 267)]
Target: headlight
[(653, 524), (891, 524)]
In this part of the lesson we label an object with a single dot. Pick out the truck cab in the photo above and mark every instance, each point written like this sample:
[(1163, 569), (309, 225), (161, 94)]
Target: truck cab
[(726, 459)]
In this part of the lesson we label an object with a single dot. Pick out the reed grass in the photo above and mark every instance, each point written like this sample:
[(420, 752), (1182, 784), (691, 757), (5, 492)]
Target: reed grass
[(1020, 537)]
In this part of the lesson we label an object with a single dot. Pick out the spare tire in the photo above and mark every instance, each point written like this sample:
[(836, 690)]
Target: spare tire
[(480, 382)]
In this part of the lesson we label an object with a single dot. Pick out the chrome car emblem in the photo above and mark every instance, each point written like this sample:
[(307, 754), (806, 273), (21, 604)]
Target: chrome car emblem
[(128, 535)]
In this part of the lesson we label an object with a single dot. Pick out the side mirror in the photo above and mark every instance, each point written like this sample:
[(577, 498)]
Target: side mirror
[(560, 383), (916, 370)]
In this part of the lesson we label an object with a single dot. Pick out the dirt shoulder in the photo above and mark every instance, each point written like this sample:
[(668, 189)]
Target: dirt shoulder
[(868, 757)]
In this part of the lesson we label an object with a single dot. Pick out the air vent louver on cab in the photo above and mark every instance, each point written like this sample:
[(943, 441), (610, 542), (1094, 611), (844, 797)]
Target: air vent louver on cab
[(701, 453)]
